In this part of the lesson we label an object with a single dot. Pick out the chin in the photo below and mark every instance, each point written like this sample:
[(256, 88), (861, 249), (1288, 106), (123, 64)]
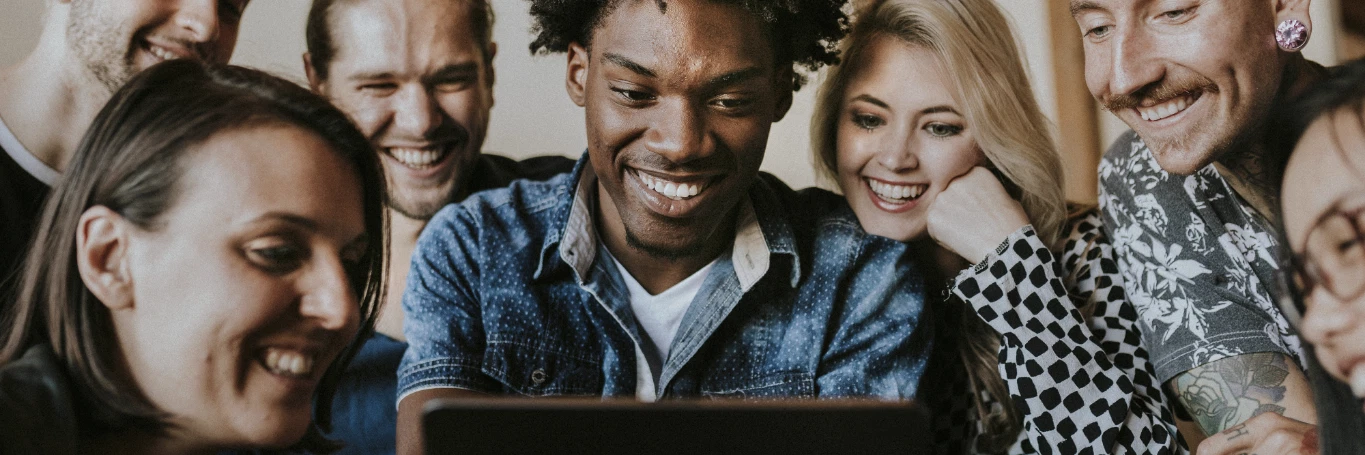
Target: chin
[(1181, 160)]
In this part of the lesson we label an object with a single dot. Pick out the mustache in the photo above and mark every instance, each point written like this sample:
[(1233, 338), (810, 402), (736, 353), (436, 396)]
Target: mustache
[(1158, 92)]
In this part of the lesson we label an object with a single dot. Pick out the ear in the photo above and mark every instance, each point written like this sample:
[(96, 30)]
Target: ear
[(315, 83), (1294, 9), (489, 71), (101, 257), (783, 85), (576, 81)]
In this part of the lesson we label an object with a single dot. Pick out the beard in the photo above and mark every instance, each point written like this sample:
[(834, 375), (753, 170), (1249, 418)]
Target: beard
[(93, 39)]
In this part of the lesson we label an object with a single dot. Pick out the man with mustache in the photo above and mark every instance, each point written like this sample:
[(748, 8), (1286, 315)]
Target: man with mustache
[(87, 50), (1188, 195), (416, 76), (665, 265)]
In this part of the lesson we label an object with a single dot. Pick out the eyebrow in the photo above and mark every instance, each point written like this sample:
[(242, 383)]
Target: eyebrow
[(629, 64), (733, 77), (1082, 6), (454, 71), (290, 218), (931, 110)]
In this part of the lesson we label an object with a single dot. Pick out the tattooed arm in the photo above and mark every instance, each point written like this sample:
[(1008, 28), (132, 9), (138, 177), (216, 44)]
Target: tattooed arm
[(1222, 394)]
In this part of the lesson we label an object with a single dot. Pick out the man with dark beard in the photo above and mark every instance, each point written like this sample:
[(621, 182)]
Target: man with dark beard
[(87, 50), (1189, 195), (665, 265), (416, 76)]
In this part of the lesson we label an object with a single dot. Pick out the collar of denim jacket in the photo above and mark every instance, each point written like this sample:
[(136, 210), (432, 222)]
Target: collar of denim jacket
[(760, 232)]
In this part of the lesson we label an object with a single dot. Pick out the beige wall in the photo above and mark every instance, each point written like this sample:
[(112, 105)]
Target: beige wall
[(533, 115)]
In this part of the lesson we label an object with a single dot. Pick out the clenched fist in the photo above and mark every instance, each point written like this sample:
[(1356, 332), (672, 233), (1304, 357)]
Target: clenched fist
[(974, 214)]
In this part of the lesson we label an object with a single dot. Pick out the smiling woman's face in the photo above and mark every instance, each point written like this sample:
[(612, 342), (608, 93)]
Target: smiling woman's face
[(241, 297), (901, 138), (1323, 192)]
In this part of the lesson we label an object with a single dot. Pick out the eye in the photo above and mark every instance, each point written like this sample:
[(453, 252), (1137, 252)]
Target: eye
[(942, 130), (378, 88), (452, 85), (633, 96), (277, 257), (1099, 32), (1176, 14), (231, 10), (868, 121), (732, 103)]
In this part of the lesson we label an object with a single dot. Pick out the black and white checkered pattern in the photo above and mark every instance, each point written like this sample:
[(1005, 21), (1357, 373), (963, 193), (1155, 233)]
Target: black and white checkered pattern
[(1084, 383)]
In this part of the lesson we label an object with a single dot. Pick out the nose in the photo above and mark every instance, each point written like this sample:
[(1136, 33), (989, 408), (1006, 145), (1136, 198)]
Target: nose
[(1132, 64), (679, 133), (199, 18), (1326, 318), (416, 114), (898, 153), (329, 298)]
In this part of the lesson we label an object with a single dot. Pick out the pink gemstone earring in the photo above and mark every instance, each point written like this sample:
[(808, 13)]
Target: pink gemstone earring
[(1291, 35)]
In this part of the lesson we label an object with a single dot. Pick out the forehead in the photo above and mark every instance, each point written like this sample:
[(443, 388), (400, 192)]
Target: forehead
[(271, 169), (685, 40), (888, 66), (1327, 166), (403, 36)]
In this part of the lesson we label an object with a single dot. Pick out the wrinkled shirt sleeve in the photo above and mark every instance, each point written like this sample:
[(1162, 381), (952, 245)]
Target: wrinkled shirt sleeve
[(442, 317), (879, 347)]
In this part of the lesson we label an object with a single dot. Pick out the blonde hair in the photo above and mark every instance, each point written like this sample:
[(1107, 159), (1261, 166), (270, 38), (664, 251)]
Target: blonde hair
[(974, 42), (976, 46)]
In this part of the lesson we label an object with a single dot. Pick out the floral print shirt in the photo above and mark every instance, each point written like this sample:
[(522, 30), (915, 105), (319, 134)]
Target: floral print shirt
[(1197, 261)]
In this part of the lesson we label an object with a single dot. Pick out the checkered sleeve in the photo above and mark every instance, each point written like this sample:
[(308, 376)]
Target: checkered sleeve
[(1081, 378)]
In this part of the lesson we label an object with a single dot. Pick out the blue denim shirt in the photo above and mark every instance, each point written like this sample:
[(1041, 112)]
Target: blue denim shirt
[(511, 293)]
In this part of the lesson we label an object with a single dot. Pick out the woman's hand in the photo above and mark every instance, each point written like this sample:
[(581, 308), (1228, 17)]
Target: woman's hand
[(974, 214), (1264, 434)]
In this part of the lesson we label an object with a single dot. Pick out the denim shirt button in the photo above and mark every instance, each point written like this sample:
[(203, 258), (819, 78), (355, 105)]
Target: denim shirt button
[(538, 377)]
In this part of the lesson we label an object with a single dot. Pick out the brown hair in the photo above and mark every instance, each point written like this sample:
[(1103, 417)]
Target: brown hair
[(130, 162), (322, 48)]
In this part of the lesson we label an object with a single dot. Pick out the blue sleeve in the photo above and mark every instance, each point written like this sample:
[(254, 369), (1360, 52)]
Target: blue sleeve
[(442, 319), (880, 343)]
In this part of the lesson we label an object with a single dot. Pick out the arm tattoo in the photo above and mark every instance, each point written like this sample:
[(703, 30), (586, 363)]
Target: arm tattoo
[(1225, 393)]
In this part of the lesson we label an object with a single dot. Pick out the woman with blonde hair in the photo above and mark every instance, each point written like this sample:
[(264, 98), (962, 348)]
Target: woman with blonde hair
[(932, 132)]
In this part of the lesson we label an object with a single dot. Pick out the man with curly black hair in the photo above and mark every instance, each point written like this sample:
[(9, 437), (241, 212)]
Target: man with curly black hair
[(664, 266)]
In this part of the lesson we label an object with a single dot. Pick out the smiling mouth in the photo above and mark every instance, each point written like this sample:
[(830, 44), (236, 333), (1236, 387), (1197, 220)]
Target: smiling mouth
[(1168, 108), (287, 362), (896, 194), (419, 158), (677, 191), (164, 53)]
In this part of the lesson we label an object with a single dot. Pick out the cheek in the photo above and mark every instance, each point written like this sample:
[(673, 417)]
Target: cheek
[(947, 160), (854, 148), (467, 109)]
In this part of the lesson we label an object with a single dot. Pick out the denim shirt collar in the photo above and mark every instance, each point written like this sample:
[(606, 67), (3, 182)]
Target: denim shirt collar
[(761, 232)]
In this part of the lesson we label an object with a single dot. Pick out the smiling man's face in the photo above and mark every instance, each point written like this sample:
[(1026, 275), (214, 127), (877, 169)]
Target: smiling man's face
[(678, 105), (115, 40), (1193, 78)]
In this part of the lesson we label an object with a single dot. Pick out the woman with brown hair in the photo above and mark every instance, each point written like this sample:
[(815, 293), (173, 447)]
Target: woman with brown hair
[(200, 274), (932, 132)]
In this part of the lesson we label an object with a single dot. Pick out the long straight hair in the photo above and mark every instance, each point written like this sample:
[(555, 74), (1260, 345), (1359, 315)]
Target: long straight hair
[(974, 42), (130, 162)]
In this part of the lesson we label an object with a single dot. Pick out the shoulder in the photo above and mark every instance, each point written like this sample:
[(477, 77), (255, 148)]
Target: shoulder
[(37, 411), (523, 207)]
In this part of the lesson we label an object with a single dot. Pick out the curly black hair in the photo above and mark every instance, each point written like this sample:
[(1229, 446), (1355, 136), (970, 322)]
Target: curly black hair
[(803, 32)]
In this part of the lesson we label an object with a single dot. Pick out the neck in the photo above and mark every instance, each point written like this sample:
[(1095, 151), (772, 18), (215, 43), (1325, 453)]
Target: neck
[(1255, 169), (655, 274), (48, 99), (403, 233), (137, 442)]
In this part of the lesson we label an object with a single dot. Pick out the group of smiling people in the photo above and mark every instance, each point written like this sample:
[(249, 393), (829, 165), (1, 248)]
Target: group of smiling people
[(200, 257)]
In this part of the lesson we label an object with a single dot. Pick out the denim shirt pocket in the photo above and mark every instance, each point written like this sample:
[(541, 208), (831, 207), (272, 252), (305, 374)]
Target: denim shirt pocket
[(786, 384), (537, 370)]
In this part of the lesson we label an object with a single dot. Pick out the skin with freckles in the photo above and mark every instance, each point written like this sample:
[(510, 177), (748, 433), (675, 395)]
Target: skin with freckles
[(1324, 177), (199, 302), (687, 96), (1145, 60)]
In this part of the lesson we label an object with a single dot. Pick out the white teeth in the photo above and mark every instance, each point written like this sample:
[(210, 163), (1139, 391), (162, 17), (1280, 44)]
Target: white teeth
[(416, 158), (1358, 381), (161, 53), (287, 362), (1166, 109), (896, 193), (671, 190)]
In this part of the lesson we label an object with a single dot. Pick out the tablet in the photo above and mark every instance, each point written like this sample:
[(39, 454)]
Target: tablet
[(673, 427)]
